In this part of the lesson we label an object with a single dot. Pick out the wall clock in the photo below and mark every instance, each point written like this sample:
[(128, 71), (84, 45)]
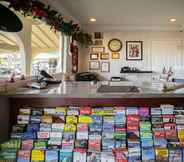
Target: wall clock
[(115, 45)]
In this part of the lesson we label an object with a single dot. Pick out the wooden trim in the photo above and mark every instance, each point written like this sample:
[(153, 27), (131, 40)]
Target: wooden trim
[(53, 102)]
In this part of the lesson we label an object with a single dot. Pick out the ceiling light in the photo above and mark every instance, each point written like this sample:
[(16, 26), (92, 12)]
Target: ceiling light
[(172, 20), (92, 19)]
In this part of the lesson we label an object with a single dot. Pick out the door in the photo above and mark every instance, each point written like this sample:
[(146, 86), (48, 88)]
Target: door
[(166, 54)]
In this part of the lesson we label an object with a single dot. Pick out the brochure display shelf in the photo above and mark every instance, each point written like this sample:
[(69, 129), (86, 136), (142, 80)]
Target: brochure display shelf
[(95, 130)]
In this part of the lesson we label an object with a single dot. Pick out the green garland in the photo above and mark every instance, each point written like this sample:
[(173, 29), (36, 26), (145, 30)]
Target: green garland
[(39, 10)]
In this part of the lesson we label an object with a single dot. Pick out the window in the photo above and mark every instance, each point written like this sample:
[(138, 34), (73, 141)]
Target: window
[(46, 61), (45, 49), (10, 57), (166, 54)]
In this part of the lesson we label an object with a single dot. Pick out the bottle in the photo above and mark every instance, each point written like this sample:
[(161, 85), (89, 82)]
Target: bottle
[(170, 72), (12, 78), (164, 71)]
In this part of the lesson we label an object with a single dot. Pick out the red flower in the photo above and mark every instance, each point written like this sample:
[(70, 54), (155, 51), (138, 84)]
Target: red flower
[(35, 11), (43, 14)]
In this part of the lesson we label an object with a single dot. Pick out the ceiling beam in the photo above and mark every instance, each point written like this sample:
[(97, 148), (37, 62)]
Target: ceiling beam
[(8, 39), (38, 37), (36, 44), (3, 41), (46, 35)]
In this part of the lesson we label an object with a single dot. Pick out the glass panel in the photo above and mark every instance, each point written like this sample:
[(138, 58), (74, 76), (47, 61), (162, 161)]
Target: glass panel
[(10, 57)]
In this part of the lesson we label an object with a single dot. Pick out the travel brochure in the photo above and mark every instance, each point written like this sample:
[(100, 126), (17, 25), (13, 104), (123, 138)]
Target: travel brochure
[(97, 134)]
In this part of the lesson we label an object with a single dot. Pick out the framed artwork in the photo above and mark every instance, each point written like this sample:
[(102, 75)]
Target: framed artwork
[(115, 55), (94, 65), (94, 56), (134, 50), (98, 42), (97, 49), (104, 56), (98, 35), (105, 67)]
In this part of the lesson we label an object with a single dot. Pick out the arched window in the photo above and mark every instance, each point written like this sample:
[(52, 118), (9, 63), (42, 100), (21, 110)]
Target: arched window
[(46, 53), (10, 55), (36, 46), (46, 61)]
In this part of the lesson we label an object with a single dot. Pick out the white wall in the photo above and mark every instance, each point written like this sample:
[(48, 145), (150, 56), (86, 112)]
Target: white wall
[(170, 42)]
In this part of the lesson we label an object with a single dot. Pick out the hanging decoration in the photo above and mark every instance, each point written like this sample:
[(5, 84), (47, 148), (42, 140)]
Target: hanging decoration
[(39, 10)]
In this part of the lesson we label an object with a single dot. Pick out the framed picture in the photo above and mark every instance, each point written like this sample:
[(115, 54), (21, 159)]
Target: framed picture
[(94, 65), (104, 56), (94, 56), (105, 67), (115, 55), (97, 49), (134, 50), (98, 42), (98, 35)]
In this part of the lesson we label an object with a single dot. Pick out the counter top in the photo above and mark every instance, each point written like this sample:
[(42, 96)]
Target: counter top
[(138, 72), (89, 90)]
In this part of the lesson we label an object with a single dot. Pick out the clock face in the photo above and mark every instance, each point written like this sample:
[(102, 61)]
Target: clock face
[(115, 45)]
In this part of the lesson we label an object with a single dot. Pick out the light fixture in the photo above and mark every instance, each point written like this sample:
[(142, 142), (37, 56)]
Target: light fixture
[(172, 20), (10, 22), (92, 19)]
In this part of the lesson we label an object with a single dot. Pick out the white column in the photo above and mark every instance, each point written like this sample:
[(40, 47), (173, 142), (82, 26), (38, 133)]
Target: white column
[(182, 49), (66, 55), (26, 50), (64, 50), (69, 56), (60, 63)]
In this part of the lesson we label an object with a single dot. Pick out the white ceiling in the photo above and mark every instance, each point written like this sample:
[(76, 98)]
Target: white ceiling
[(127, 14), (42, 39)]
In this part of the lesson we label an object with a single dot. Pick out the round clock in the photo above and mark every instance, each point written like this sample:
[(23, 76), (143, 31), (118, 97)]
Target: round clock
[(115, 45)]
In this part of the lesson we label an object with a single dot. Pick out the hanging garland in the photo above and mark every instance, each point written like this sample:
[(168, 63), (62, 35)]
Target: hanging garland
[(39, 10)]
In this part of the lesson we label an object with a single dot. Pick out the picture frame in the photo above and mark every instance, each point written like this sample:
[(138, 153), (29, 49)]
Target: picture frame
[(97, 49), (94, 65), (115, 55), (105, 67), (104, 56), (134, 50), (98, 35), (98, 42), (94, 56)]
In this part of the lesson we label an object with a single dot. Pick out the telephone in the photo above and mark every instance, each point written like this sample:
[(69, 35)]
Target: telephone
[(86, 76), (48, 78)]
